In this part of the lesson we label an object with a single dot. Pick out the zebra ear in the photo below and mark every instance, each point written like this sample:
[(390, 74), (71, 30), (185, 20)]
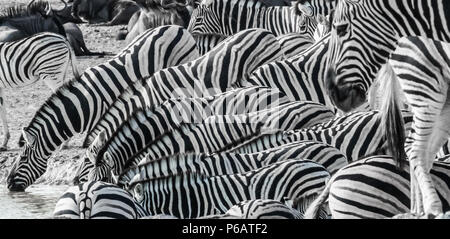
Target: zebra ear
[(29, 139), (305, 8), (100, 140)]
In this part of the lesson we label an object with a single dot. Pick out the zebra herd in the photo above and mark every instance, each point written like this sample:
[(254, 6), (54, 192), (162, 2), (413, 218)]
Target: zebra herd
[(253, 111)]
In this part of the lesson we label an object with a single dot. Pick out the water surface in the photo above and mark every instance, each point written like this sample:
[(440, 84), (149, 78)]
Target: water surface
[(38, 201)]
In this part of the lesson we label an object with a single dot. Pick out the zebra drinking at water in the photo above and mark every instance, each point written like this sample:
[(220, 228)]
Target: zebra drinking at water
[(44, 56), (76, 106)]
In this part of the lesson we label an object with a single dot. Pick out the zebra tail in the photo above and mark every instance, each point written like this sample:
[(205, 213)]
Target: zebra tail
[(392, 122), (314, 209), (73, 59)]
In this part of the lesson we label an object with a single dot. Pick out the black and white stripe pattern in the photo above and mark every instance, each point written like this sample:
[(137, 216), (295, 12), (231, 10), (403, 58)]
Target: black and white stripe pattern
[(376, 188), (97, 200), (214, 134), (192, 195), (232, 163), (146, 125), (44, 56), (263, 209), (294, 44), (301, 78), (218, 71), (228, 17), (356, 135), (76, 106), (364, 36)]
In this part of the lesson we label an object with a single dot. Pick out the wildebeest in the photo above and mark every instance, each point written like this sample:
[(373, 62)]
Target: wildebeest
[(20, 22), (104, 12), (156, 13)]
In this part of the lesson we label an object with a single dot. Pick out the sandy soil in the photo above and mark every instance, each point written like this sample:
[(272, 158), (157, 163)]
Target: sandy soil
[(22, 103)]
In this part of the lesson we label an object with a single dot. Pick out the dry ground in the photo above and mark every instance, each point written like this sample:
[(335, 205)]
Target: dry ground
[(22, 103)]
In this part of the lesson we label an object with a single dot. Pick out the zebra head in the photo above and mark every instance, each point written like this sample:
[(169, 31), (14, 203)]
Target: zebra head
[(28, 166), (90, 162), (205, 21), (360, 44), (81, 175)]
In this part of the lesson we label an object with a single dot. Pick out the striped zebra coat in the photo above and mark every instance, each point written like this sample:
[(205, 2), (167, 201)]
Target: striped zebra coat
[(214, 134), (259, 209), (215, 20), (231, 163), (300, 78), (220, 70), (193, 195), (145, 125), (369, 48), (356, 135), (44, 56), (376, 188), (76, 106), (226, 18), (97, 200)]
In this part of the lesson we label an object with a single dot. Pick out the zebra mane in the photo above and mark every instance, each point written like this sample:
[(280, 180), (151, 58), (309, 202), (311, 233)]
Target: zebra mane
[(173, 177), (50, 105), (130, 171)]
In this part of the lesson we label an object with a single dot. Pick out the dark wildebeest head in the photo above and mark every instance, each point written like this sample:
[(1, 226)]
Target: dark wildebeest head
[(90, 9), (19, 22), (104, 12)]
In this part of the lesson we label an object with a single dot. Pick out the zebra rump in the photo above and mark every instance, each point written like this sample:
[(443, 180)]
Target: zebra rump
[(97, 200), (376, 188)]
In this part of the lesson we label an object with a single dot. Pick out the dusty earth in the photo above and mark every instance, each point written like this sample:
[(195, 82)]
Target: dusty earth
[(22, 103)]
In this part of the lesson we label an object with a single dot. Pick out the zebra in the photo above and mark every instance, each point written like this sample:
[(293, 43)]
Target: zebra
[(364, 35), (356, 135), (229, 163), (216, 133), (218, 71), (156, 120), (76, 106), (193, 195), (445, 158), (376, 188), (208, 21), (226, 18), (42, 56), (97, 200)]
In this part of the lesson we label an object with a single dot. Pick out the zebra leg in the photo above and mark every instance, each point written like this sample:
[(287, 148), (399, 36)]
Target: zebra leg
[(5, 122), (430, 132)]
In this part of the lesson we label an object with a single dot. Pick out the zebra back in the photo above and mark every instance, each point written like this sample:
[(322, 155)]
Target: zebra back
[(43, 56), (383, 189), (218, 71), (214, 134), (356, 135), (232, 163)]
